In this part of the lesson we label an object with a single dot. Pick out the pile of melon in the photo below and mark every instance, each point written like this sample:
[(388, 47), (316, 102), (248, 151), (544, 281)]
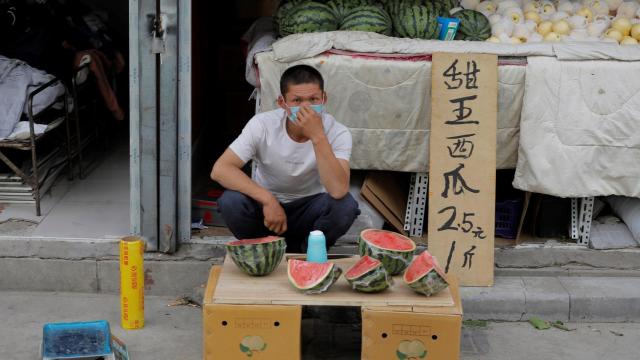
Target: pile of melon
[(524, 21), (416, 19), (383, 255)]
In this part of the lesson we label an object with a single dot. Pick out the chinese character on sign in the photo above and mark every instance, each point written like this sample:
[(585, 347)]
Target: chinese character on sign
[(462, 112), (458, 184), (461, 148), (468, 255), (470, 77)]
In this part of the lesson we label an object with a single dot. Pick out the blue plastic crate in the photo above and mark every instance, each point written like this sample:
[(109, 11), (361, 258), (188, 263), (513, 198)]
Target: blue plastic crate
[(76, 340), (508, 218)]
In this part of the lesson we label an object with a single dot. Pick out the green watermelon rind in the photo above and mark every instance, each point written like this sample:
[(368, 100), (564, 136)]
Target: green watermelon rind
[(324, 285), (474, 26), (308, 16), (282, 11), (368, 18), (343, 7), (395, 262), (418, 21), (373, 281), (429, 284), (258, 259)]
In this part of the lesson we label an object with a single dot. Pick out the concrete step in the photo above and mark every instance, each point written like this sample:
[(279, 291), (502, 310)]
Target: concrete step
[(571, 283)]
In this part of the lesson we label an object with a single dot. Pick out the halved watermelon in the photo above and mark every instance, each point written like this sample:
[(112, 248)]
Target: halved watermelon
[(368, 275), (395, 251), (257, 257), (311, 277), (424, 275)]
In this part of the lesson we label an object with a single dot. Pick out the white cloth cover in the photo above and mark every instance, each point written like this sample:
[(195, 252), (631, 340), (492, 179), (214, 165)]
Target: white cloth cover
[(580, 128), (382, 102)]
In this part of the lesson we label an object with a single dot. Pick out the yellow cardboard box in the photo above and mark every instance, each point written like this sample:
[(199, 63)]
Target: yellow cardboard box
[(413, 332), (267, 332)]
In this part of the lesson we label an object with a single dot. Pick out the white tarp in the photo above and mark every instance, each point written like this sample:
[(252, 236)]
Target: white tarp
[(386, 105), (580, 128)]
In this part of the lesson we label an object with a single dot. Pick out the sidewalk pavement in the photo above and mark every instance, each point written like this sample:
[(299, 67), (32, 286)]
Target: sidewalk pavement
[(174, 333)]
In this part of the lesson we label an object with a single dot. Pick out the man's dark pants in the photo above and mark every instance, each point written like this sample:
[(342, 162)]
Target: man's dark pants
[(333, 217)]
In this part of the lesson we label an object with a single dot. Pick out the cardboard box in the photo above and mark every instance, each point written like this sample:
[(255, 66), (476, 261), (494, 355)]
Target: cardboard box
[(387, 192), (389, 334), (249, 331), (206, 207)]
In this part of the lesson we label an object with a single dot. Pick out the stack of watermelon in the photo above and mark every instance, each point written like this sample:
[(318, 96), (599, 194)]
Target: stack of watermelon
[(403, 18)]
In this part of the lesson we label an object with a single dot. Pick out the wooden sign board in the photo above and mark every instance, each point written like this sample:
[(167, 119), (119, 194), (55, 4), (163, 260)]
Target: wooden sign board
[(462, 165)]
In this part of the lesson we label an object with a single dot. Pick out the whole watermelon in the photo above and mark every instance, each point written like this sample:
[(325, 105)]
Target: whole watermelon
[(368, 18), (417, 22), (343, 7), (447, 5), (282, 11), (308, 16), (393, 6), (474, 26)]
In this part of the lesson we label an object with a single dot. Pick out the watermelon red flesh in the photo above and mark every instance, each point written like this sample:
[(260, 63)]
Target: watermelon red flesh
[(421, 265), (305, 275), (368, 275), (262, 240), (424, 275), (364, 265), (388, 240)]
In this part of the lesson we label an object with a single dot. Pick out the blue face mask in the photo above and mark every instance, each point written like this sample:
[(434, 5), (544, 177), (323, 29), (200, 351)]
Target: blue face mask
[(294, 111)]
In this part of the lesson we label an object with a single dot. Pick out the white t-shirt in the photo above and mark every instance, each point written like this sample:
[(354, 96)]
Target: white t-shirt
[(287, 168)]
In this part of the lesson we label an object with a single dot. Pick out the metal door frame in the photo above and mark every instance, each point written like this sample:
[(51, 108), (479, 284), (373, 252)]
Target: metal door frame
[(160, 123)]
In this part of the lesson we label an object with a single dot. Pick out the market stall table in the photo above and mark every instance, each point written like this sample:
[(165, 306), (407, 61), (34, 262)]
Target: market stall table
[(241, 312)]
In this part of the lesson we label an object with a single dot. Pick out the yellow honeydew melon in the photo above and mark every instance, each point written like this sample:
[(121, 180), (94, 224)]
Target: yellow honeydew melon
[(544, 28), (561, 27), (493, 39), (486, 8), (599, 7), (552, 37), (628, 40), (548, 9), (623, 25), (635, 32), (614, 34), (586, 12), (534, 16)]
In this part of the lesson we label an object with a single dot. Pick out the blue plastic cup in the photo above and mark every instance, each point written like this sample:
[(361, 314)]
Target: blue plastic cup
[(447, 28), (317, 247)]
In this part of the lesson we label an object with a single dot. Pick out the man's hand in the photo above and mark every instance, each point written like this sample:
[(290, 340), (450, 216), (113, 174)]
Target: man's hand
[(275, 218), (311, 123)]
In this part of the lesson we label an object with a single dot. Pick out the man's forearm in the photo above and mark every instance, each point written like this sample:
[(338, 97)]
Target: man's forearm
[(233, 178), (332, 175)]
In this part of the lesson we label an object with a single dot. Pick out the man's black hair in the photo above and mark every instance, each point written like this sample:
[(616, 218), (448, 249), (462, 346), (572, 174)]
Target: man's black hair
[(300, 74)]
